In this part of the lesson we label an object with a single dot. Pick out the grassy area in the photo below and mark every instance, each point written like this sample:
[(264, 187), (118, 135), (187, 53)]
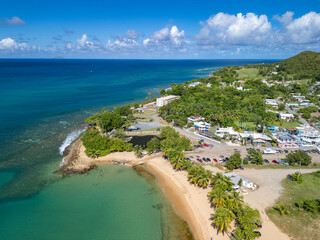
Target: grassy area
[(247, 125), (251, 73), (292, 124), (280, 166), (299, 224)]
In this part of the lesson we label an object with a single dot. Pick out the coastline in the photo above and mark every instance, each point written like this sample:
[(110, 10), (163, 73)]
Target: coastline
[(189, 202)]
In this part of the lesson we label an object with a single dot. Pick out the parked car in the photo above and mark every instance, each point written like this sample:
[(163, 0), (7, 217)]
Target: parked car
[(206, 145), (266, 161), (286, 151), (199, 160), (275, 161), (188, 159), (215, 160), (259, 225), (208, 160), (241, 167), (210, 145)]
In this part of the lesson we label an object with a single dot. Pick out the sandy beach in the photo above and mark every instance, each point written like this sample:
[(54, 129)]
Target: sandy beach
[(190, 202)]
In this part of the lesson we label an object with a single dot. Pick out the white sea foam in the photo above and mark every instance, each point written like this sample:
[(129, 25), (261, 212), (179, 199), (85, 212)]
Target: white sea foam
[(69, 139)]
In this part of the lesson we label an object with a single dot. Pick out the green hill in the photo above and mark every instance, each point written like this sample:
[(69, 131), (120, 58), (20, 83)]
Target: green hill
[(307, 62)]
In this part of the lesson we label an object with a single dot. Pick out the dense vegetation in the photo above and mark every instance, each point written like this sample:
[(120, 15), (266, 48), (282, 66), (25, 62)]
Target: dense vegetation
[(98, 145), (222, 106), (108, 120)]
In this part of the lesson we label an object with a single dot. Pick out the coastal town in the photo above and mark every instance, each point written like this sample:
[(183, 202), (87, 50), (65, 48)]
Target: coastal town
[(227, 162)]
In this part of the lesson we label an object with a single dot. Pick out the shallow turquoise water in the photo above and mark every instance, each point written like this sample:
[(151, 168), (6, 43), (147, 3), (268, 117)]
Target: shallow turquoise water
[(111, 204)]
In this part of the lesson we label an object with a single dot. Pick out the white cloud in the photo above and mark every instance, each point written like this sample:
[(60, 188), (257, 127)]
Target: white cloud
[(167, 39), (248, 29), (15, 21), (303, 30), (10, 45), (132, 34)]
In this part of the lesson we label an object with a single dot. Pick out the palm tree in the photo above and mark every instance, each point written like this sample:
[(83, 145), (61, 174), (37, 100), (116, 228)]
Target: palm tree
[(236, 199), (204, 178), (219, 179), (177, 160), (282, 209), (194, 174), (186, 165), (218, 196), (93, 153), (222, 219)]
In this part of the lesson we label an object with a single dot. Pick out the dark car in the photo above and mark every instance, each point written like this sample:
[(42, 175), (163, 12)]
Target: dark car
[(241, 167), (286, 151), (259, 225), (199, 160), (208, 160), (266, 161)]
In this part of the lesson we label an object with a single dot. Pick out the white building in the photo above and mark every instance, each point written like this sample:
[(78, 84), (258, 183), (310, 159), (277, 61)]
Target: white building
[(235, 178), (272, 102), (194, 84), (221, 132), (195, 118), (202, 126), (308, 134), (286, 116), (165, 100)]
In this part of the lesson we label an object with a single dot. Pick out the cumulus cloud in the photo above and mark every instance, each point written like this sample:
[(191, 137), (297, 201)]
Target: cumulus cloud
[(15, 21), (222, 28), (9, 44), (167, 39), (83, 42), (303, 30), (132, 34)]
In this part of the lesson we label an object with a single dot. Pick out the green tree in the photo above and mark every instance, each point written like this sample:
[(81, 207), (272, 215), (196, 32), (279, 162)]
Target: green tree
[(218, 196), (153, 145), (255, 156), (297, 158), (234, 161), (222, 219), (138, 151)]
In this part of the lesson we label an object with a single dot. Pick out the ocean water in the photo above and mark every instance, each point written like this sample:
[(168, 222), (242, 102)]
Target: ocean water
[(43, 104)]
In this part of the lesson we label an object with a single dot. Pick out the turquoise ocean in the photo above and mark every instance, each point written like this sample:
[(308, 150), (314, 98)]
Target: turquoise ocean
[(43, 103)]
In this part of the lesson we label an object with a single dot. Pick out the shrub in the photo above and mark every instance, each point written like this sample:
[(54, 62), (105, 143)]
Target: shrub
[(297, 177)]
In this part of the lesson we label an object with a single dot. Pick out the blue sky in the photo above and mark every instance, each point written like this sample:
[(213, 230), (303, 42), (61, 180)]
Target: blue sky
[(158, 29)]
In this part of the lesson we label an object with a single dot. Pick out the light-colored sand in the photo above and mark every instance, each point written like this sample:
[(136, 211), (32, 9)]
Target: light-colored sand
[(189, 201), (269, 181)]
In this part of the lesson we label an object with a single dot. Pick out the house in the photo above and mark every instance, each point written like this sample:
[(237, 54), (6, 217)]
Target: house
[(229, 131), (195, 118), (168, 89), (308, 134), (209, 85), (165, 100), (152, 104), (273, 129), (293, 105), (202, 126), (256, 138), (272, 102), (235, 178), (194, 84), (287, 140), (286, 116)]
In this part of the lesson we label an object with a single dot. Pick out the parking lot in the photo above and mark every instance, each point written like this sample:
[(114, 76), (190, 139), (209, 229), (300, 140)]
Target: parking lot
[(219, 153)]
